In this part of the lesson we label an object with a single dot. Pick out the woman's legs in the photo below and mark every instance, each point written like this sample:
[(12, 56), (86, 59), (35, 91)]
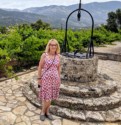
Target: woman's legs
[(48, 103), (48, 115), (45, 106)]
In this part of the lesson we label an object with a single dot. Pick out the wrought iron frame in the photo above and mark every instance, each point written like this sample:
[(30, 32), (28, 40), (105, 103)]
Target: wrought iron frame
[(90, 50)]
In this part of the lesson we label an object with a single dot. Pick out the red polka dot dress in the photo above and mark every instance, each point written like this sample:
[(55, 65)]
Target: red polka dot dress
[(50, 81)]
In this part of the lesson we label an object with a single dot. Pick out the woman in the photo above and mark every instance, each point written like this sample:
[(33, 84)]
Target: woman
[(49, 77)]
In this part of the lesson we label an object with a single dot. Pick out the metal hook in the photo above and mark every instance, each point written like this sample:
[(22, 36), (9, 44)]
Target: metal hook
[(79, 12)]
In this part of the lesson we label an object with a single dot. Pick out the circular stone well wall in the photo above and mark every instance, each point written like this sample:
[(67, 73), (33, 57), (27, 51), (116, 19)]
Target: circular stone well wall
[(79, 70)]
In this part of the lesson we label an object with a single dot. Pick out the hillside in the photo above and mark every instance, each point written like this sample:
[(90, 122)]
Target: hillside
[(56, 15)]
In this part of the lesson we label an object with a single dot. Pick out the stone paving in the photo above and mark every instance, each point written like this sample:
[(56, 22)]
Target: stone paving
[(16, 110)]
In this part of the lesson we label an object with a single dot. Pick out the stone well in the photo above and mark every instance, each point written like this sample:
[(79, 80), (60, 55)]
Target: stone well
[(79, 70), (85, 94)]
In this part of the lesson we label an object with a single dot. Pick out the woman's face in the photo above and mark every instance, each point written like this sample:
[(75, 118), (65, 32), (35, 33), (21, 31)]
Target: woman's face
[(53, 46)]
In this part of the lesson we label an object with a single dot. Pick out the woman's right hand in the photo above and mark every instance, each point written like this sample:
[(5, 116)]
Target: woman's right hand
[(39, 82)]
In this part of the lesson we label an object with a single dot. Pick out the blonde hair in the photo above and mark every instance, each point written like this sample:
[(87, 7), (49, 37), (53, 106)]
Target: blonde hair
[(58, 46)]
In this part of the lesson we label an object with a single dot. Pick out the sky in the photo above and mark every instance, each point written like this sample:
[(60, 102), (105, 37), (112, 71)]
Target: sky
[(22, 4)]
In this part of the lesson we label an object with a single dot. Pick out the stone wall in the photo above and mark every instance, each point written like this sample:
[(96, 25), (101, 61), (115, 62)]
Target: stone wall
[(109, 56), (79, 70)]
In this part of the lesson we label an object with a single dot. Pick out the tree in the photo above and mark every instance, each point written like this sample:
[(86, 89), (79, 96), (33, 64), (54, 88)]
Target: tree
[(114, 21), (5, 69), (25, 31), (40, 25), (3, 30), (111, 22), (118, 16)]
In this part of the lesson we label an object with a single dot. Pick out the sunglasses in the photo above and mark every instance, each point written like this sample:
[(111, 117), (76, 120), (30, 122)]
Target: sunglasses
[(52, 44)]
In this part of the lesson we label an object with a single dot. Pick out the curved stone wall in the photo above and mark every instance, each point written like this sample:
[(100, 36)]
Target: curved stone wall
[(109, 56), (79, 70)]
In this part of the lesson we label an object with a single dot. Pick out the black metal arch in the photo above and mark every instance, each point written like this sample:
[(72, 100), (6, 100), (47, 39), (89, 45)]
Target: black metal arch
[(90, 50)]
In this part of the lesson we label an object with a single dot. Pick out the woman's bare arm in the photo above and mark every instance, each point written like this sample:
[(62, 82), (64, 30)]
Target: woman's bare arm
[(41, 63), (59, 67)]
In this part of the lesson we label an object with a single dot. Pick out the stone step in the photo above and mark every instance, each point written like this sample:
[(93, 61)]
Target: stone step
[(80, 115), (89, 116), (31, 96), (95, 90), (92, 104), (89, 91)]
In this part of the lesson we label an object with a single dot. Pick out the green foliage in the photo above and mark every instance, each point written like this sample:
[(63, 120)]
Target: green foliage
[(118, 17), (30, 50), (103, 36), (24, 44), (5, 68), (40, 25), (3, 29), (25, 31), (13, 44), (114, 21), (111, 22)]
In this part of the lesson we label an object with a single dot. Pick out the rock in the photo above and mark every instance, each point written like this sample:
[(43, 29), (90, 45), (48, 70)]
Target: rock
[(10, 117), (26, 120), (29, 113), (94, 116), (4, 108), (69, 122), (30, 106), (4, 122), (2, 99), (18, 119), (56, 122), (21, 123), (20, 110), (22, 99)]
